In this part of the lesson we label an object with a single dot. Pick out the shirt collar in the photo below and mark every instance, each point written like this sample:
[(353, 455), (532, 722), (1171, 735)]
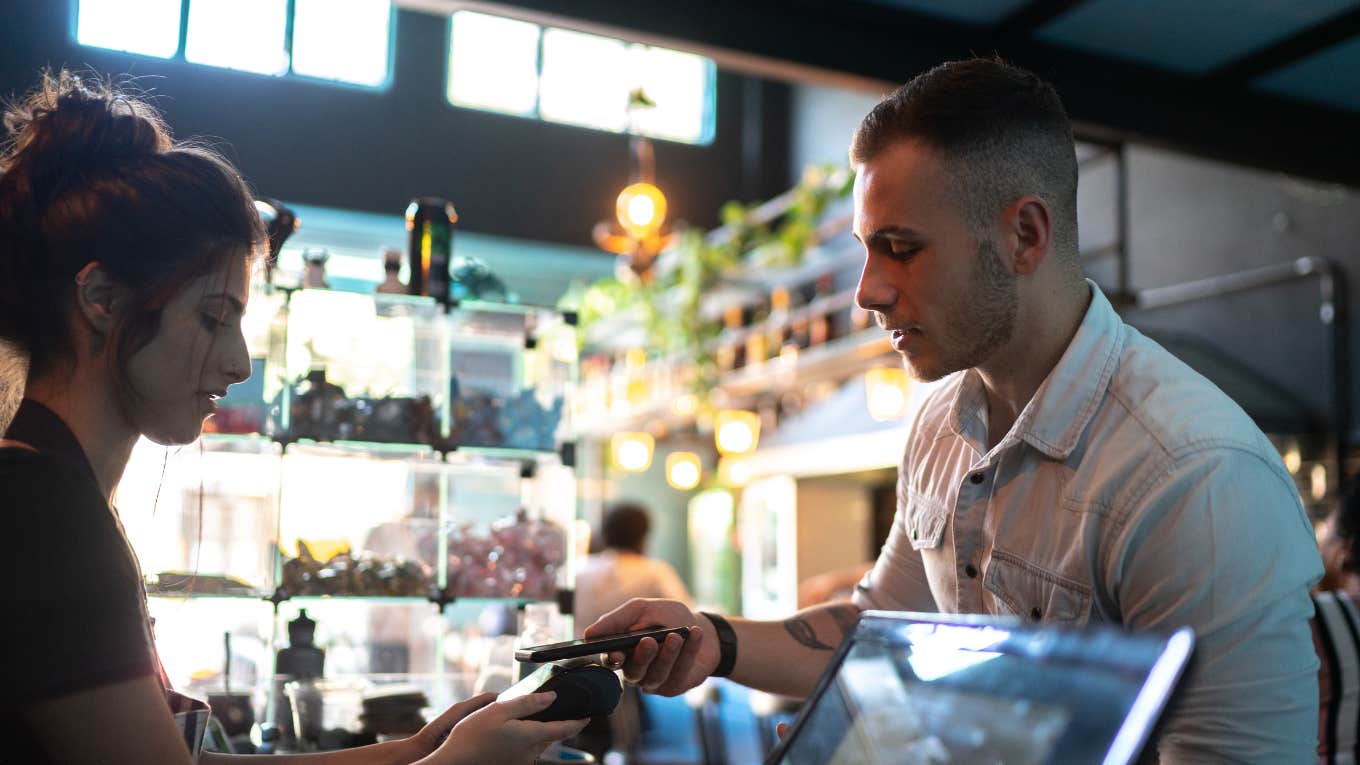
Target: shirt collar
[(41, 428), (1060, 410)]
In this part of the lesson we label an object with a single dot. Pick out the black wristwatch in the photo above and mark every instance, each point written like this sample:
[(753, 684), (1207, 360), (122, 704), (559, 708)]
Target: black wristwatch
[(727, 644)]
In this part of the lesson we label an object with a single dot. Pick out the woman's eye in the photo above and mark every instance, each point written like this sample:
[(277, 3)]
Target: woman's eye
[(211, 322)]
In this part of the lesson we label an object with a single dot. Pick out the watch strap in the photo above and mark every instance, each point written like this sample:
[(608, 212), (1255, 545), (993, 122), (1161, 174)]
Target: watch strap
[(727, 644)]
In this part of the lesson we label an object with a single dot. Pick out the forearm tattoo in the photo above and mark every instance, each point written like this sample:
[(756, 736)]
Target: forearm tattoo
[(800, 629)]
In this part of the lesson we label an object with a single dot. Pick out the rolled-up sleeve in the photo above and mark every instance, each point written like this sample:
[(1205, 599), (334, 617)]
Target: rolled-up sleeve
[(898, 581), (1220, 543)]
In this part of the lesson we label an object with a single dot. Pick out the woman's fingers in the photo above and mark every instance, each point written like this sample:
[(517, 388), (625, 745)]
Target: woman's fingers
[(524, 706), (547, 732)]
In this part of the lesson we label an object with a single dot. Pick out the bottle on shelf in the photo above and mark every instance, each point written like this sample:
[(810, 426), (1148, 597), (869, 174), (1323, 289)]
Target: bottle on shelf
[(820, 327), (541, 626), (755, 341), (391, 284), (776, 329), (429, 225), (731, 355)]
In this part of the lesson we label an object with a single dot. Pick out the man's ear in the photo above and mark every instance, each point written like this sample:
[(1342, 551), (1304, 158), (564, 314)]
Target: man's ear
[(1029, 228), (98, 297)]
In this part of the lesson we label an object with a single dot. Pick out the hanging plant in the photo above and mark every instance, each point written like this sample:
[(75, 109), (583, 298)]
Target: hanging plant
[(669, 305)]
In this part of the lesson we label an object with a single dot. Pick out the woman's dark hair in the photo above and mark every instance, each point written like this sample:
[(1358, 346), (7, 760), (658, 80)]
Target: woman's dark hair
[(625, 526), (90, 173)]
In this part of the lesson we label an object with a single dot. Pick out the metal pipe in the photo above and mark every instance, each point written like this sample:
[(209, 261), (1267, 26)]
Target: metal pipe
[(1333, 312)]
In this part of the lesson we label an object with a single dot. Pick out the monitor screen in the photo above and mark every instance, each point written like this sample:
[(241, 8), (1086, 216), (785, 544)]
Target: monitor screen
[(929, 689)]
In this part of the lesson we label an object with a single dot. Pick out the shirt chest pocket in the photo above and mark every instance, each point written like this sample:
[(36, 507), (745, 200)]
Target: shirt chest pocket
[(925, 521), (1034, 594)]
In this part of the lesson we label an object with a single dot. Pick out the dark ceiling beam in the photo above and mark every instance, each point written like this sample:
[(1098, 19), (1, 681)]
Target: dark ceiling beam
[(1107, 100), (1023, 21), (1296, 47)]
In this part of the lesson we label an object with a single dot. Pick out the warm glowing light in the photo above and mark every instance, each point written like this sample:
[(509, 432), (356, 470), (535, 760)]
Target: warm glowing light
[(1317, 482), (683, 470), (685, 405), (631, 451), (1293, 460), (734, 471), (886, 391), (736, 432), (641, 209)]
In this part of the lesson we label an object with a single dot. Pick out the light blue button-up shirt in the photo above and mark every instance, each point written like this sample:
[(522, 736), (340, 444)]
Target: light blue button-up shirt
[(1132, 491)]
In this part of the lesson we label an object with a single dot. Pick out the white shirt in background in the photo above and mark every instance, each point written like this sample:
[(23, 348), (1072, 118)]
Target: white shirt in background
[(609, 579)]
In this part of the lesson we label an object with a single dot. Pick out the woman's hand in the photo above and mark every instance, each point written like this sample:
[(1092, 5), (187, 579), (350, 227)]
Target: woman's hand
[(433, 734), (495, 734)]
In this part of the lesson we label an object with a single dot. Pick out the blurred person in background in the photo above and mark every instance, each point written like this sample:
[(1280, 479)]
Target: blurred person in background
[(608, 579)]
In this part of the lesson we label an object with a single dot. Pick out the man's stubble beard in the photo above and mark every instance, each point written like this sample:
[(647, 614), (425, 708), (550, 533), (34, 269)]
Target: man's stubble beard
[(979, 322)]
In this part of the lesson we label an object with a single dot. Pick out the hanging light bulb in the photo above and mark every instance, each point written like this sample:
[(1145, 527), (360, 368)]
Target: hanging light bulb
[(641, 209), (886, 391), (734, 471), (683, 470), (736, 431), (631, 451)]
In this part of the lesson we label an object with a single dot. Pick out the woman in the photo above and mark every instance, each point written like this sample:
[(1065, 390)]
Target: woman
[(124, 267)]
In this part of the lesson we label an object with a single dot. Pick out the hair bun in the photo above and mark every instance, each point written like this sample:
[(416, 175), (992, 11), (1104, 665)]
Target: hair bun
[(73, 124)]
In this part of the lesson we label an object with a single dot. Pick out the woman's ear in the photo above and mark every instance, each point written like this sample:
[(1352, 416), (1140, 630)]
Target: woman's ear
[(98, 297)]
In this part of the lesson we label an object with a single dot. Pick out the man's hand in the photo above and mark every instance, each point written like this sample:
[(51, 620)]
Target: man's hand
[(674, 666)]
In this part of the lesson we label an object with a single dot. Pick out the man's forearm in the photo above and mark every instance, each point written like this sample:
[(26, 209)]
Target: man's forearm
[(788, 656)]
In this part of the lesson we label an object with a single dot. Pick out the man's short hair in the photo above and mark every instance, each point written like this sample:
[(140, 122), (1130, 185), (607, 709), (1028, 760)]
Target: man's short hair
[(1001, 130), (625, 526)]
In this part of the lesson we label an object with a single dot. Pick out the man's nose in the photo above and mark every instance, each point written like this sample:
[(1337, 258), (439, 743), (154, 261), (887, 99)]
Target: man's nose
[(872, 293)]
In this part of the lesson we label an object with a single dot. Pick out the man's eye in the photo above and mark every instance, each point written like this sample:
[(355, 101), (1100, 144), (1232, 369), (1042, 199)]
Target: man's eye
[(903, 249)]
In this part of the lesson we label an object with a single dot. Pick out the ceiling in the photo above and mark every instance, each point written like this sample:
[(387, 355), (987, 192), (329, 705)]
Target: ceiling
[(1267, 83)]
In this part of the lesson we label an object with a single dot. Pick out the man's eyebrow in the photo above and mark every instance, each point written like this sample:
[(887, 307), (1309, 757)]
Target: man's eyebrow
[(232, 299), (892, 233)]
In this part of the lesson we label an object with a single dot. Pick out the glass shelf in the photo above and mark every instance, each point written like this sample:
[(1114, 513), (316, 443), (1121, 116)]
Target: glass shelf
[(163, 595), (379, 599)]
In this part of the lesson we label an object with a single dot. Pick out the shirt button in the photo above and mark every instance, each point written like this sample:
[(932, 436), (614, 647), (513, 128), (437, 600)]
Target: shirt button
[(971, 571), (1035, 613), (977, 478)]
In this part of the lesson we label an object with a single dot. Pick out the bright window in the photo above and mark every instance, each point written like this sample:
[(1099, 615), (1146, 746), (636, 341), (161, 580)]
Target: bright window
[(493, 64), (559, 75), (342, 40), (148, 27), (347, 41), (248, 35), (584, 80)]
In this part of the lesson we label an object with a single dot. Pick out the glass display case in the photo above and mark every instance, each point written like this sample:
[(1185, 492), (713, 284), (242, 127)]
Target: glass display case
[(409, 485), (361, 368), (511, 370), (203, 517)]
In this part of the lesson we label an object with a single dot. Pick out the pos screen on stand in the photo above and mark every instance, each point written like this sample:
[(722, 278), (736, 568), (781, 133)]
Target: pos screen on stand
[(926, 688)]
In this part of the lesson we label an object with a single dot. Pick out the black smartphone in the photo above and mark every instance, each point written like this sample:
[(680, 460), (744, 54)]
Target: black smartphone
[(603, 644)]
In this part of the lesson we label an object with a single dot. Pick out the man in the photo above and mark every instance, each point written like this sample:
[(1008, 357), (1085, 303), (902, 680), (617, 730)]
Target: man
[(1070, 471)]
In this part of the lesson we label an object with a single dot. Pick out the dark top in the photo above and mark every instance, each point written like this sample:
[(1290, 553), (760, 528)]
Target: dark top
[(76, 616)]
